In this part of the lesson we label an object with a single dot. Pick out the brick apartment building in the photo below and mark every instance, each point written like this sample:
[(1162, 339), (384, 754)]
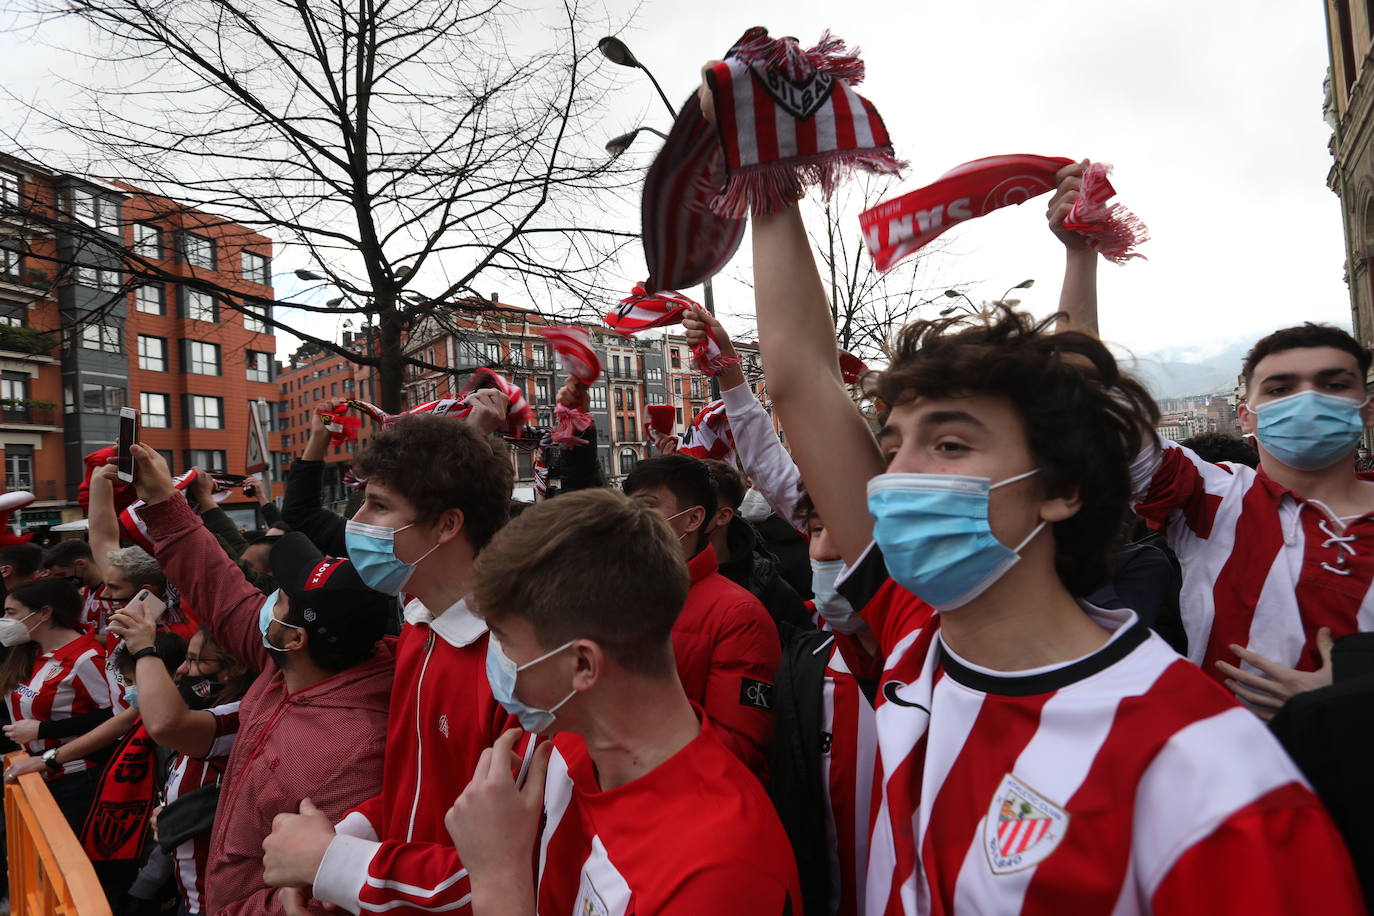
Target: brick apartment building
[(189, 364), (636, 372)]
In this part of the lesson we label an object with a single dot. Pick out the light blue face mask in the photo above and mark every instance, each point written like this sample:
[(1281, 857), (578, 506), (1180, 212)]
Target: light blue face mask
[(131, 696), (934, 533), (372, 549), (1310, 430), (501, 674), (265, 618), (834, 608)]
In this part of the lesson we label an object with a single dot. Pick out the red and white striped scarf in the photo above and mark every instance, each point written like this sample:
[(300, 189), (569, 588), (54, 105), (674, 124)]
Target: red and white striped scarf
[(575, 346), (541, 480), (517, 407), (789, 118), (709, 436), (642, 310), (852, 369), (785, 118), (896, 228), (134, 526)]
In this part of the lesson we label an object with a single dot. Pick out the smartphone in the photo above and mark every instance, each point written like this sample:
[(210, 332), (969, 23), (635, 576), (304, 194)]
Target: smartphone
[(128, 434), (151, 601)]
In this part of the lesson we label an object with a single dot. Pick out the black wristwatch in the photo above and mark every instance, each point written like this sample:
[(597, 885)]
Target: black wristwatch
[(145, 652), (49, 759)]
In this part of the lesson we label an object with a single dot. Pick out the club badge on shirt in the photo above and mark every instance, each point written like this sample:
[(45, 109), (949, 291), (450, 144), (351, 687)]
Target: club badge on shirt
[(589, 902), (1022, 827)]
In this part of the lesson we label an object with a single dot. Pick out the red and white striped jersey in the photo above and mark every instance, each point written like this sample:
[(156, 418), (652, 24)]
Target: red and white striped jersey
[(66, 682), (1262, 566), (96, 609), (697, 834), (848, 748), (188, 774), (1123, 781)]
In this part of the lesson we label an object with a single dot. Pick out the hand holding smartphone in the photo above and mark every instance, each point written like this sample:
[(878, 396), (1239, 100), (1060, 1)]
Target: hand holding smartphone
[(128, 434)]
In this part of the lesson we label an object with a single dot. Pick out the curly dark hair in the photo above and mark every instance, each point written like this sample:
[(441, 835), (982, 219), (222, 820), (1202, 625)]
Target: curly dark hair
[(1308, 334), (440, 463), (1085, 419)]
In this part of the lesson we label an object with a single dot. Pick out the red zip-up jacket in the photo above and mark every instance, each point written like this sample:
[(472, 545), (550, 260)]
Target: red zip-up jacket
[(325, 742), (727, 653), (442, 717)]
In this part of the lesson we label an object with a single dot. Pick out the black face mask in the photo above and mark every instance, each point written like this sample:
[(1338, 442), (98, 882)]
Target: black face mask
[(200, 692)]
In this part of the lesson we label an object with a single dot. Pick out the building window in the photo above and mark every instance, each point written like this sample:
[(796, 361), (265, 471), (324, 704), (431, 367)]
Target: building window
[(156, 410), (12, 314), (18, 467), (628, 459), (629, 399), (596, 397), (619, 396), (676, 356), (620, 429), (149, 299), (257, 268), (209, 458), (517, 355), (11, 260), (14, 391), (259, 366), (152, 353), (541, 356), (254, 324), (101, 337), (95, 211), (491, 351), (148, 241), (348, 386), (679, 416), (200, 306), (541, 390), (615, 365), (202, 358), (97, 398), (10, 185), (206, 412), (197, 250)]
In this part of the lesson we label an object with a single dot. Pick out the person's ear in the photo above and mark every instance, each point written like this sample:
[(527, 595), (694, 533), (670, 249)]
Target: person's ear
[(696, 518), (590, 664), (723, 517), (449, 525), (294, 640), (1059, 508), (1249, 421)]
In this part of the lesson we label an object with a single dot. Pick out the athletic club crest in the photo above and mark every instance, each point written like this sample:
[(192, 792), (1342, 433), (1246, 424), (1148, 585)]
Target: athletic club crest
[(1022, 827)]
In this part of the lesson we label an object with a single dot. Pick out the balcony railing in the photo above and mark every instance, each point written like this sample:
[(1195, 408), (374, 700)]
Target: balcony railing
[(37, 413)]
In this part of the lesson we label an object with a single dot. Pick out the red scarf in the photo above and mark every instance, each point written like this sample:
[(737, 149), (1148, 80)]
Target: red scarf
[(709, 436), (662, 418), (896, 228), (517, 408), (117, 825), (575, 346), (640, 311), (786, 118)]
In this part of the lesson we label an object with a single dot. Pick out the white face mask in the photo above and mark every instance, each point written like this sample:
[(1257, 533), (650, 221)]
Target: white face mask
[(13, 631), (755, 508)]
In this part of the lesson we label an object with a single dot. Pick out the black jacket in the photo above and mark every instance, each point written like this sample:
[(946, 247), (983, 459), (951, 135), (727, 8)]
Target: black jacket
[(751, 566)]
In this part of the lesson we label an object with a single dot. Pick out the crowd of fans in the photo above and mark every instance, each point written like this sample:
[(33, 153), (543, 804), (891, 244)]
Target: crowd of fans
[(1002, 652)]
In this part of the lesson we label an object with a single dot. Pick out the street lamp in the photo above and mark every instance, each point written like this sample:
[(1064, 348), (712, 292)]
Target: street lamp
[(617, 52), (618, 145), (1024, 284), (309, 275)]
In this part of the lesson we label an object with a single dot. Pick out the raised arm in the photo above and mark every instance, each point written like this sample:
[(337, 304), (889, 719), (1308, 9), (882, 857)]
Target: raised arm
[(169, 721), (772, 470), (301, 506), (831, 442), (103, 522), (1078, 296)]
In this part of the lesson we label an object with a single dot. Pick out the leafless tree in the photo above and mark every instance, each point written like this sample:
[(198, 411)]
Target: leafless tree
[(388, 143)]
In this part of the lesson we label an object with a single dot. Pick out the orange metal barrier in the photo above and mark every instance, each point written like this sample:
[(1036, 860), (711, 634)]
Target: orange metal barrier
[(49, 872)]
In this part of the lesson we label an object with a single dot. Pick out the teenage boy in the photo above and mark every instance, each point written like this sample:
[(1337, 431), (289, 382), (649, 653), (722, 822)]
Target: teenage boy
[(1272, 557), (436, 493), (313, 725), (726, 644), (644, 810), (1033, 748)]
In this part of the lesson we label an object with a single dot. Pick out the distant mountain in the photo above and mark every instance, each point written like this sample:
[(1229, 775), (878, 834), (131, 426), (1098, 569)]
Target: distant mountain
[(1176, 372)]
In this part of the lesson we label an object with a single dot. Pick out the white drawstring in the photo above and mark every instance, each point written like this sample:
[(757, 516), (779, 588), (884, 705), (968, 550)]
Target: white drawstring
[(1332, 538)]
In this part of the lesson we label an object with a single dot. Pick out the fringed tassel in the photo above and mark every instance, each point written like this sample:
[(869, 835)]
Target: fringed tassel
[(567, 421), (709, 361), (763, 189), (1112, 230)]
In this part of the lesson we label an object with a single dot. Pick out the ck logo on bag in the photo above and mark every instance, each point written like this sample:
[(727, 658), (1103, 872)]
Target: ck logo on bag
[(755, 693), (1022, 827)]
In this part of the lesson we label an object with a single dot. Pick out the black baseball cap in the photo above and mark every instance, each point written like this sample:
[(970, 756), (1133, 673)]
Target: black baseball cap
[(326, 592)]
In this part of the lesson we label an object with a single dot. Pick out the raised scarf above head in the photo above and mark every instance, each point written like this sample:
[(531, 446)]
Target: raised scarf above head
[(517, 407), (786, 118), (575, 346), (709, 436), (641, 311), (896, 228)]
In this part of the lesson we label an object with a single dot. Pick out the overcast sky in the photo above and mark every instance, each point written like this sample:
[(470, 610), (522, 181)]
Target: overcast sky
[(1210, 111)]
